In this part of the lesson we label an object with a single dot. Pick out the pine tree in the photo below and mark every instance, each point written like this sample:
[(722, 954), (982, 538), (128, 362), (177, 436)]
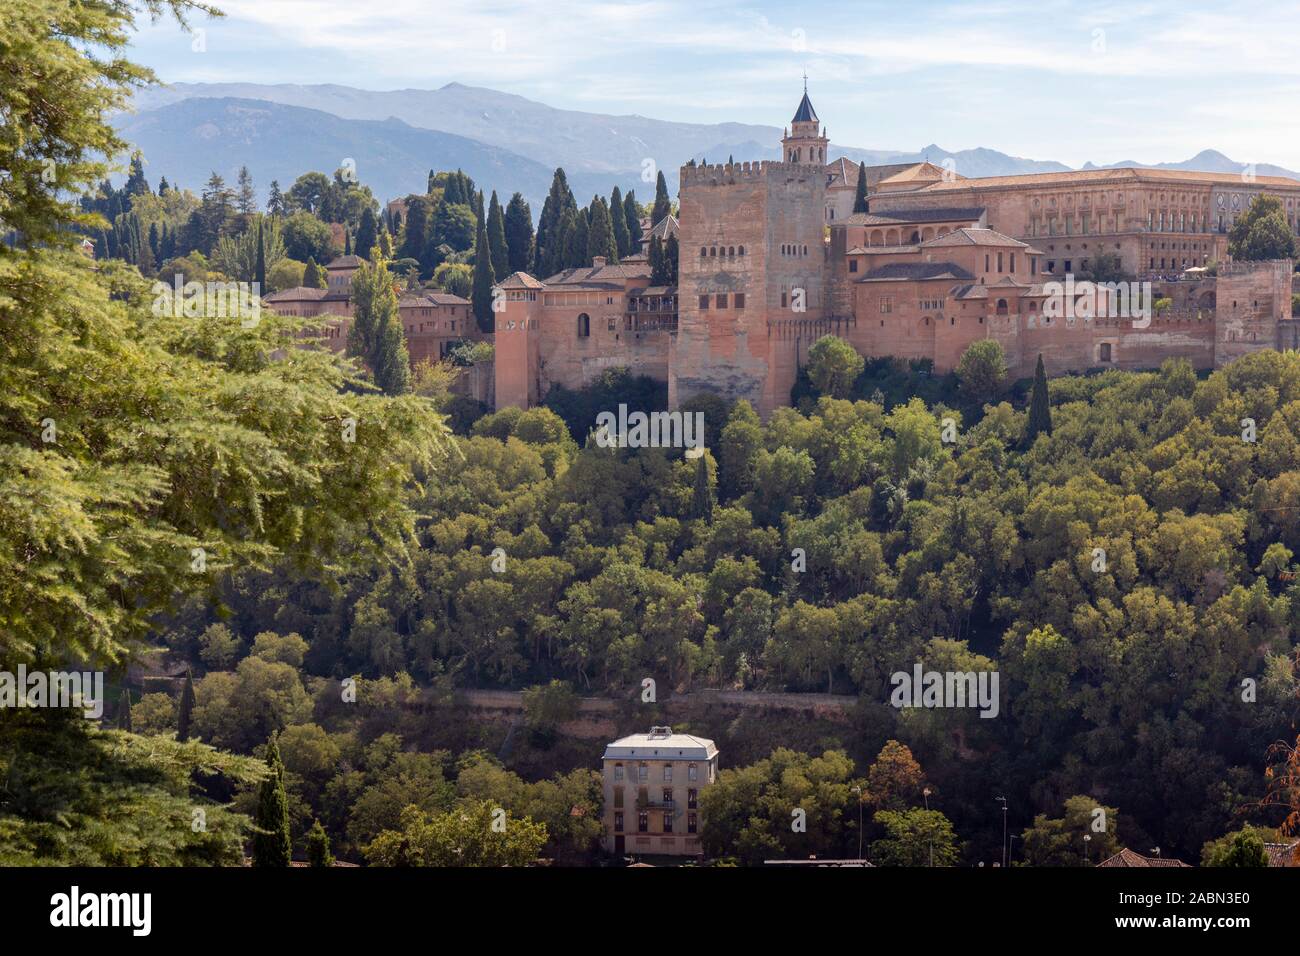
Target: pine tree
[(484, 276), (496, 235), (1040, 407), (245, 194), (275, 200), (185, 714), (600, 233), (663, 207), (618, 221), (702, 494), (519, 234), (860, 200), (124, 712), (136, 184), (318, 846), (367, 233), (259, 271), (632, 212), (271, 845)]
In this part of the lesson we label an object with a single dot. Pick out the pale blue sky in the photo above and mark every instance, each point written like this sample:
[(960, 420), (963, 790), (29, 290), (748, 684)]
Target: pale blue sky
[(1147, 80)]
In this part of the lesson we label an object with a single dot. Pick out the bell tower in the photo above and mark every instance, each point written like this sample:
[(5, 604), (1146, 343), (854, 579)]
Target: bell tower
[(805, 141)]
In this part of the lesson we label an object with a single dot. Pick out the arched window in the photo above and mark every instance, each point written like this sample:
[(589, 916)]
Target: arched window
[(584, 325), (713, 251), (1002, 306), (731, 252), (703, 251), (742, 250)]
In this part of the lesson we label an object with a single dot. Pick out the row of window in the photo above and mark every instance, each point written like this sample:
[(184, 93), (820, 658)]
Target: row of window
[(643, 823), (643, 774), (720, 301), (729, 252), (793, 249)]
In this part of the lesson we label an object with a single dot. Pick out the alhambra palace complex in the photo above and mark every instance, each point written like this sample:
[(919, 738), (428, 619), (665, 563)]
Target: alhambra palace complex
[(772, 257)]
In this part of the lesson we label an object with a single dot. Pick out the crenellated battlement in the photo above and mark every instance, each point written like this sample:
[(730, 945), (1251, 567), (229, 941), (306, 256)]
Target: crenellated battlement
[(726, 174)]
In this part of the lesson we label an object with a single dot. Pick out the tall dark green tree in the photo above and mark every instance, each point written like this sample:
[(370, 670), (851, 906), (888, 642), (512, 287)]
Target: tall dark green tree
[(271, 844), (275, 202), (185, 713), (702, 493), (1040, 406), (860, 199), (618, 221), (416, 236), (484, 276), (496, 236), (519, 234), (600, 232), (632, 213), (670, 260), (260, 273), (367, 233), (136, 184), (663, 206), (575, 242), (245, 194), (551, 227)]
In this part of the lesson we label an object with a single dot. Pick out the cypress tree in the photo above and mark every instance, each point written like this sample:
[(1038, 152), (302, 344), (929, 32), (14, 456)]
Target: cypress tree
[(860, 200), (347, 242), (430, 185), (367, 233), (185, 714), (314, 277), (484, 276), (417, 230), (1040, 407), (575, 242), (632, 213), (390, 359), (318, 846), (519, 234), (702, 494), (663, 207), (260, 277), (600, 233), (618, 221), (496, 236), (670, 261), (271, 845)]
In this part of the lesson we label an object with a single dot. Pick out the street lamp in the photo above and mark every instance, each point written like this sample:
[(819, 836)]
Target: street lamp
[(858, 791), (926, 794), (1012, 841), (1003, 801), (1087, 838)]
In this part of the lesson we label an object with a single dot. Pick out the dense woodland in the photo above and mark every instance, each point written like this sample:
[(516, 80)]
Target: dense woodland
[(1120, 547)]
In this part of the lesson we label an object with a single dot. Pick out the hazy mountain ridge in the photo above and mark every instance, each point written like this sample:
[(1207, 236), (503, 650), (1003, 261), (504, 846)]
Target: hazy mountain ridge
[(506, 142)]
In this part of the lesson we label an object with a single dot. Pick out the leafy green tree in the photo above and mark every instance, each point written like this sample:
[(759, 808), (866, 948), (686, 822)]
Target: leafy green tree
[(982, 371), (476, 834), (1245, 848), (271, 842), (914, 837), (833, 366), (1060, 841), (1262, 232), (306, 238)]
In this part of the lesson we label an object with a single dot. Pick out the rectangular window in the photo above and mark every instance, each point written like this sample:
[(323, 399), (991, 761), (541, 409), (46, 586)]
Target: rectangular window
[(783, 300), (704, 302), (720, 300), (643, 822), (668, 773), (886, 304), (692, 772), (668, 795), (740, 300), (618, 823), (853, 265), (999, 262), (618, 796), (692, 823), (643, 773), (691, 799), (668, 823), (618, 772)]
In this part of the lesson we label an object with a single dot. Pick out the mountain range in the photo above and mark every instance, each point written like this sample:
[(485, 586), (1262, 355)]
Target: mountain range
[(504, 141)]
